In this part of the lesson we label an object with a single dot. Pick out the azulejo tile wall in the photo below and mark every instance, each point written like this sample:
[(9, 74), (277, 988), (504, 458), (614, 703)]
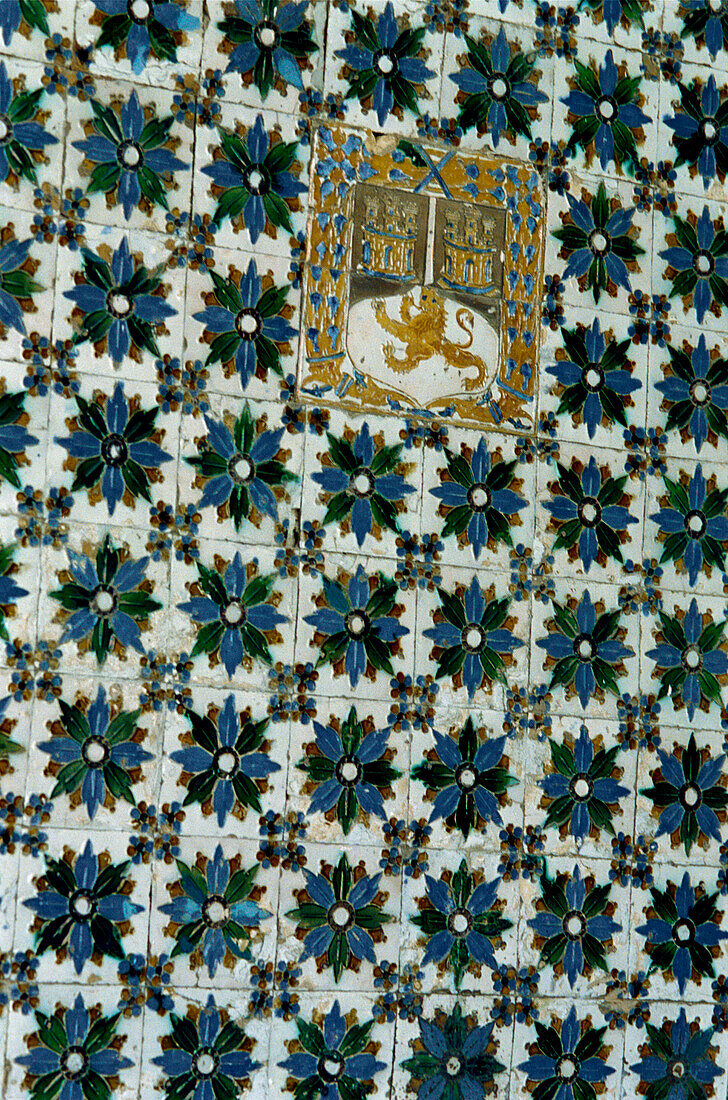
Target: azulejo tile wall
[(363, 534)]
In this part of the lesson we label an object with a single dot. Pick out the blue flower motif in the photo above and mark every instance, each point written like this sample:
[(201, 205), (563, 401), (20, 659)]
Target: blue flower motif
[(707, 19), (701, 137), (129, 154), (14, 283), (679, 1047), (144, 27), (696, 393), (118, 303), (257, 185), (453, 1060), (359, 627), (105, 600), (695, 526), (69, 1036), (333, 1065), (364, 483), (81, 906), (461, 922), (606, 113), (682, 931), (233, 613), (582, 787), (598, 242), (384, 62), (692, 658), (214, 911), (567, 1060), (225, 760), (588, 513), (114, 448), (479, 498), (273, 40), (205, 1058), (688, 793), (95, 753), (585, 648), (700, 263), (497, 89), (20, 137), (574, 924)]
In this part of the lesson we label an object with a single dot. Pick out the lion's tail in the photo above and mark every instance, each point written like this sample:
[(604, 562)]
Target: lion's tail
[(461, 317)]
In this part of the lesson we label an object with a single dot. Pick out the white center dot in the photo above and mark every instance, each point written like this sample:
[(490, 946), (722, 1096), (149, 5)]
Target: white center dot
[(255, 179), (499, 88), (702, 265), (361, 483), (349, 771), (267, 37), (340, 916), (700, 392), (692, 658), (592, 377), (140, 9), (695, 523), (75, 1062), (459, 923), (452, 1066), (233, 612), (120, 304), (204, 1064), (715, 5), (3, 129), (242, 467), (385, 64), (333, 1067), (479, 497), (567, 1068), (473, 637), (94, 752), (683, 933), (589, 513), (574, 926), (581, 788), (710, 130), (246, 323), (216, 912), (226, 762), (691, 796), (82, 906), (131, 156), (599, 242), (606, 109), (104, 602), (357, 623), (585, 648), (467, 777)]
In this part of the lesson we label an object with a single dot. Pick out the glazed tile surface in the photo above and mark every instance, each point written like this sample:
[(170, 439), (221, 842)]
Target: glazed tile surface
[(363, 549)]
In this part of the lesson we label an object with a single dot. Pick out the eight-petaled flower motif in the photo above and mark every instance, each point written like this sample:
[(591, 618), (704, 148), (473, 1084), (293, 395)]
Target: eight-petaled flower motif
[(132, 165), (460, 921), (498, 93), (605, 107), (227, 764), (687, 794), (692, 524), (334, 1061), (701, 131), (695, 393), (214, 911), (16, 282), (585, 648), (707, 21), (384, 63), (348, 770), (14, 436), (677, 1060), (466, 778), (106, 599), (684, 927), (477, 498), (698, 264), (75, 1056), (81, 906), (271, 40), (112, 445), (247, 326), (144, 27), (596, 377), (240, 469), (691, 656), (472, 636), (234, 613), (253, 182), (452, 1058), (614, 12), (22, 138), (589, 513), (339, 916), (362, 483), (582, 793), (206, 1056), (98, 758), (574, 924), (357, 626), (119, 303), (597, 241), (565, 1060)]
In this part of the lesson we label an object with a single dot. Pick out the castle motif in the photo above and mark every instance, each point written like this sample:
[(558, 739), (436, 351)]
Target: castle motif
[(389, 234), (469, 250)]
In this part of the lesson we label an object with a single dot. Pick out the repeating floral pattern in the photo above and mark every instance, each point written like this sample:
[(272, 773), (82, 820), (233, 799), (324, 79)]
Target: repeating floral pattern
[(350, 755)]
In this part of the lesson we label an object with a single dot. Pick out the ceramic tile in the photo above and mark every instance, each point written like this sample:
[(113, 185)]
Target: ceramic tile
[(363, 493)]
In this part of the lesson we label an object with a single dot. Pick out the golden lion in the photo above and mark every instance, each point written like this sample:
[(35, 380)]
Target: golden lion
[(424, 334)]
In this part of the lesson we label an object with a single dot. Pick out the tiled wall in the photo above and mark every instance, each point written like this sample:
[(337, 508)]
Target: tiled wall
[(363, 533)]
